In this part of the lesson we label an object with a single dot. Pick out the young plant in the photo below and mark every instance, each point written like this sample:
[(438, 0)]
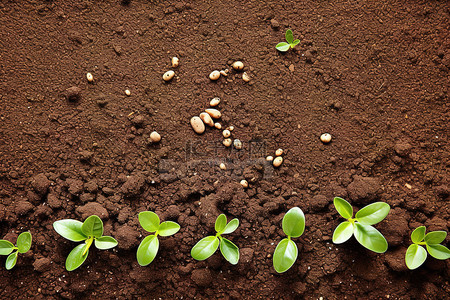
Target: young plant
[(90, 231), (416, 254), (286, 251), (361, 226), (291, 43), (208, 245), (7, 248), (149, 246)]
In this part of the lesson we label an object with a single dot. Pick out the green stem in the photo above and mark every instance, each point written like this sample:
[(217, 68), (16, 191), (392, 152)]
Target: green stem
[(88, 243), (422, 243), (351, 220)]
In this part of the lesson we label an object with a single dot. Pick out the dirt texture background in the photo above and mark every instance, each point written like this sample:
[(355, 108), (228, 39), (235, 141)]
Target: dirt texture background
[(374, 74)]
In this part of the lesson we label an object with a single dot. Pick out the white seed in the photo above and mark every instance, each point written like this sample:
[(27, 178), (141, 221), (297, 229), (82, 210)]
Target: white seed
[(245, 77), (175, 62), (226, 133), (222, 166), (244, 183), (224, 72), (277, 161), (168, 75), (214, 101), (238, 65), (218, 125), (279, 152), (206, 118), (198, 125), (230, 128), (127, 92), (214, 75), (155, 137), (89, 77), (227, 142), (214, 113), (325, 138), (237, 144), (269, 158)]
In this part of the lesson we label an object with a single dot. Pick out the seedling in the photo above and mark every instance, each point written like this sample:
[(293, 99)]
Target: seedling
[(90, 231), (361, 226), (149, 246), (416, 254), (8, 248), (208, 245), (286, 251), (291, 43)]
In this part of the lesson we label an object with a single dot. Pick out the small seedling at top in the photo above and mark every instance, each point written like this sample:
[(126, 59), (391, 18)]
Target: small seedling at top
[(286, 251), (90, 231), (7, 248), (361, 226), (291, 43), (208, 245), (416, 254), (149, 246)]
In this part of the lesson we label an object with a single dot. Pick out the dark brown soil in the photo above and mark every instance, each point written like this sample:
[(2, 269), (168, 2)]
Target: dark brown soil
[(374, 74)]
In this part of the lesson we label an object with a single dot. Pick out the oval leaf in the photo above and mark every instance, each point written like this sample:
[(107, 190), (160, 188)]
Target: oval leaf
[(205, 248), (6, 247), (105, 242), (343, 207), (70, 229), (168, 228), (294, 222), (418, 234), (373, 213), (93, 226), (11, 261), (221, 222), (285, 255), (370, 238), (229, 250), (76, 257), (24, 242), (283, 46), (295, 43), (231, 226), (438, 251), (343, 232), (149, 221), (435, 237), (289, 36), (147, 250), (415, 256)]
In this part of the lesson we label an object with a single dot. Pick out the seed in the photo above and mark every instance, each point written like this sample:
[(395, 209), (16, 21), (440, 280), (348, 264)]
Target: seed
[(127, 92), (214, 101), (230, 128), (325, 138), (238, 65), (89, 77), (175, 62), (277, 161), (269, 158), (222, 166), (245, 77), (155, 137), (237, 144), (218, 125), (279, 152), (226, 133), (214, 113), (244, 183), (168, 75), (206, 118), (198, 125), (227, 142), (214, 75)]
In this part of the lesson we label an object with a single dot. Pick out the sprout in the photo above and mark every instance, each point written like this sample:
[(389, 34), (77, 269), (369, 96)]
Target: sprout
[(7, 248), (291, 43)]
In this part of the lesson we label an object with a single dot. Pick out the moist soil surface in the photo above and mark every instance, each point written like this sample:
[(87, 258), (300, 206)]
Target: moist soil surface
[(373, 74)]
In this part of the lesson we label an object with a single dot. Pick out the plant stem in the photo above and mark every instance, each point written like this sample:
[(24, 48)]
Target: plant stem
[(88, 243)]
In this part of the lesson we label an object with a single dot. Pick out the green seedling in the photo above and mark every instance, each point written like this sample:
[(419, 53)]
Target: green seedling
[(416, 254), (90, 231), (286, 251), (149, 246), (361, 226), (8, 248), (291, 43), (208, 245)]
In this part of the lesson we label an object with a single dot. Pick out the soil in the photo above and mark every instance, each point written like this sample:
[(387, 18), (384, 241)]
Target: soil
[(375, 75)]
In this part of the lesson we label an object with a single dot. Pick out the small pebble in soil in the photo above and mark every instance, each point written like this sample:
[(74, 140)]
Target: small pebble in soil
[(89, 77), (279, 152), (214, 101), (226, 133), (168, 75), (245, 77), (206, 118), (238, 65), (198, 125), (277, 161), (214, 75), (218, 125), (230, 128), (155, 137), (73, 93), (269, 158), (244, 183), (175, 62), (227, 142), (127, 92), (237, 144), (222, 166), (214, 113), (325, 138)]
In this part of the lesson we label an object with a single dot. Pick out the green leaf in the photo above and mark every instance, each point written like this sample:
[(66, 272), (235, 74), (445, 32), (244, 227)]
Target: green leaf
[(415, 256), (147, 250), (24, 242), (294, 222), (76, 257), (295, 43), (93, 226), (205, 248), (6, 247), (231, 226), (283, 46), (221, 222), (438, 251), (435, 237), (343, 232), (285, 255), (229, 250), (168, 228), (11, 260), (149, 221), (370, 238), (343, 207), (105, 242), (289, 36), (70, 229), (418, 234), (373, 213)]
